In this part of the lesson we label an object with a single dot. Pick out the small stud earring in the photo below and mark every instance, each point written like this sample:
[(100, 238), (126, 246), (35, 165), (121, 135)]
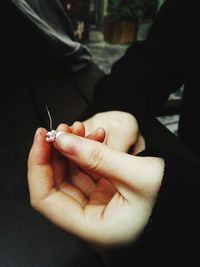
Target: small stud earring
[(51, 135)]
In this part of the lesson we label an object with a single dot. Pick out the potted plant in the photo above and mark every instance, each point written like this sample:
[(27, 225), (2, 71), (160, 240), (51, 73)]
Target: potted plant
[(149, 10), (122, 19)]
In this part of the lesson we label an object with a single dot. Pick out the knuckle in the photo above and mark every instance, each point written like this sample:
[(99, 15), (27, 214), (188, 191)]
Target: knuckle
[(37, 203), (34, 203), (95, 159)]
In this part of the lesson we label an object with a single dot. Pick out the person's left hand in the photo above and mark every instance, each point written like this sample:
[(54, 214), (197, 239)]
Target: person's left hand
[(100, 195)]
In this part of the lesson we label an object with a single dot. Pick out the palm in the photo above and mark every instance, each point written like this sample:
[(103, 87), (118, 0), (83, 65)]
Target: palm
[(85, 188), (104, 209)]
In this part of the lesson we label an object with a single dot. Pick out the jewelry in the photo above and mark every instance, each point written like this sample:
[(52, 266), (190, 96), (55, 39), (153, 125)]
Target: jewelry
[(51, 135)]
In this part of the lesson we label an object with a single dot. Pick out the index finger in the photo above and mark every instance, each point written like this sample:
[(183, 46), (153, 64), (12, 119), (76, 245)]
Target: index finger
[(40, 172)]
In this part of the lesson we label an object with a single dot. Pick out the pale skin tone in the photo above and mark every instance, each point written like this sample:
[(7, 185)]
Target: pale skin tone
[(119, 126), (89, 189)]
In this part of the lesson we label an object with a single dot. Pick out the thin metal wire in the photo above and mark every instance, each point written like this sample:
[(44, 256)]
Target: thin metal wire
[(50, 118)]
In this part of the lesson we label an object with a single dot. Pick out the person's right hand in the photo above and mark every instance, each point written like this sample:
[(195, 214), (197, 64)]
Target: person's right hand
[(122, 133), (101, 195)]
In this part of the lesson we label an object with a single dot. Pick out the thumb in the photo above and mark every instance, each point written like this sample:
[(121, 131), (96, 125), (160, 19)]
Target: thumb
[(126, 172)]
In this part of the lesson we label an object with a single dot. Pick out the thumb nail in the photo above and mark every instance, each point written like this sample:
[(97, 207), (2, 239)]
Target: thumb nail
[(66, 142)]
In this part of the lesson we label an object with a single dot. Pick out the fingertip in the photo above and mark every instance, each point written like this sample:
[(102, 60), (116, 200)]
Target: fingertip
[(78, 128), (40, 131), (63, 128), (40, 135), (40, 151), (66, 143), (101, 131), (98, 135)]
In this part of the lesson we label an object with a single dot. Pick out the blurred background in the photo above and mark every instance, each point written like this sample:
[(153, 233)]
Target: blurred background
[(108, 27), (114, 21)]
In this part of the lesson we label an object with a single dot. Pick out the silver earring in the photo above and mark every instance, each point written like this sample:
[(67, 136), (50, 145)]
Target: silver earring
[(51, 135)]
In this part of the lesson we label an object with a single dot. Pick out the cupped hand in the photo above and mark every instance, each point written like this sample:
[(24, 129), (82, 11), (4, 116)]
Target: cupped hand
[(98, 194)]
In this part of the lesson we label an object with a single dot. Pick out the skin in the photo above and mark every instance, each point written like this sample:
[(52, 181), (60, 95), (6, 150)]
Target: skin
[(95, 192), (122, 132)]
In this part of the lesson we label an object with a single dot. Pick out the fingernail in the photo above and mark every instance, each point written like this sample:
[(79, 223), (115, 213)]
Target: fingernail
[(59, 133), (74, 126), (63, 128), (67, 143)]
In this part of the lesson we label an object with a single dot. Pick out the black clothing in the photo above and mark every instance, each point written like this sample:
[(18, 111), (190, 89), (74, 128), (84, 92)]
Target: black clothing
[(140, 83), (38, 37), (142, 80), (34, 67)]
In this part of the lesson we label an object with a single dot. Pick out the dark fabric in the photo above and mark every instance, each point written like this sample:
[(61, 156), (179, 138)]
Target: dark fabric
[(141, 81), (35, 71), (37, 36), (32, 78), (172, 233), (27, 239)]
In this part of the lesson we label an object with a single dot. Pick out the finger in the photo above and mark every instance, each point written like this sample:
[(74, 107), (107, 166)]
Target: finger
[(139, 145), (82, 181), (77, 185), (81, 184), (78, 128), (62, 210), (64, 128), (124, 170), (74, 193), (63, 171), (99, 135), (40, 172), (59, 163), (103, 192), (58, 207)]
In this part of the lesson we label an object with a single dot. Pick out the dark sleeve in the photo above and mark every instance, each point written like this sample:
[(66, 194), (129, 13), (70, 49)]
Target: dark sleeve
[(174, 221), (141, 81), (37, 37), (172, 232)]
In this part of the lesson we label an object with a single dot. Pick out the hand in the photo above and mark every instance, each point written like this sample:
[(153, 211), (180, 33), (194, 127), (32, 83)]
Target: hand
[(121, 128), (100, 195)]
